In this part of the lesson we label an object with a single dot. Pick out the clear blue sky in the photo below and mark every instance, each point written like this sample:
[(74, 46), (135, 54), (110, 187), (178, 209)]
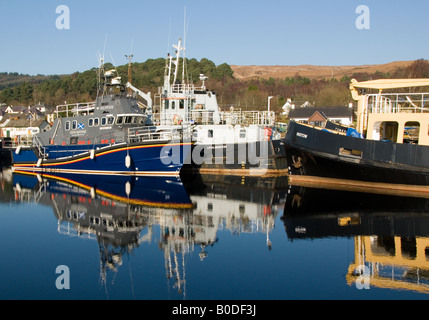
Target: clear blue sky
[(269, 32)]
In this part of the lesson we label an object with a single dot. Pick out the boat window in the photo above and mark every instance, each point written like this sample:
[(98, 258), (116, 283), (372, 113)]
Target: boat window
[(96, 122), (389, 131), (242, 209), (120, 120), (138, 120), (91, 122), (74, 140), (411, 132), (182, 104), (67, 125), (384, 246), (128, 119), (110, 120), (350, 153), (409, 248), (243, 133), (173, 105), (210, 133), (74, 125), (167, 104), (103, 121)]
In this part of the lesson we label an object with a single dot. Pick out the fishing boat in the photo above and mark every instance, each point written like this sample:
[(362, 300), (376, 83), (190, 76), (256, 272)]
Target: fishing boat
[(388, 149), (223, 141), (113, 135)]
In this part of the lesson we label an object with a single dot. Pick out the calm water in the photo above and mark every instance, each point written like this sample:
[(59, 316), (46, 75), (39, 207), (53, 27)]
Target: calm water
[(231, 239)]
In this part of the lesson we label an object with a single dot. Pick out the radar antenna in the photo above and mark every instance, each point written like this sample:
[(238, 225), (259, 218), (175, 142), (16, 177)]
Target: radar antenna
[(130, 57)]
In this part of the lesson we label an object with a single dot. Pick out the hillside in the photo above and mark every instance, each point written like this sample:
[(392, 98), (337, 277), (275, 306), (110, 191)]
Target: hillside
[(245, 73), (9, 80), (245, 87)]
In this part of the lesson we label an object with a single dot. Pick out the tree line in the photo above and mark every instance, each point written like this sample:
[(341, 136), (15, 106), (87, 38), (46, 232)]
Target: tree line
[(20, 89), (82, 86)]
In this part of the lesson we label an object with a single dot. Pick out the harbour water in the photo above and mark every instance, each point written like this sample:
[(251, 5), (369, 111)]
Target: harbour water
[(213, 238)]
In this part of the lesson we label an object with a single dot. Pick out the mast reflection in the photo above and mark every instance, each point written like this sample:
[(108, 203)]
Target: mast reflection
[(122, 212)]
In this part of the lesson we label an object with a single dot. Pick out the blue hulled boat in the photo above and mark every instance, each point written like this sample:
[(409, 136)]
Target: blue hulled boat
[(113, 135)]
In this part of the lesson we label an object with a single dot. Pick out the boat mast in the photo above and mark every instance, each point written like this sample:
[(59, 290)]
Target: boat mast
[(129, 67), (184, 44), (100, 74), (178, 48), (167, 73), (129, 57)]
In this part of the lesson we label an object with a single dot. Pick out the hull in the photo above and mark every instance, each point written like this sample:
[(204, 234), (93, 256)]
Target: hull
[(156, 192), (353, 214), (5, 157), (161, 158), (250, 158), (322, 154)]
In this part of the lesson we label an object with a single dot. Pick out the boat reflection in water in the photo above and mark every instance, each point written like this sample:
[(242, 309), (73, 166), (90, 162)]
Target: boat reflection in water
[(113, 210), (391, 233), (123, 212)]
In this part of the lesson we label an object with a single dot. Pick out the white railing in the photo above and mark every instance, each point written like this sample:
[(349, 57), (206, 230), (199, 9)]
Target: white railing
[(148, 134), (398, 103), (74, 109), (246, 118), (184, 88), (204, 117)]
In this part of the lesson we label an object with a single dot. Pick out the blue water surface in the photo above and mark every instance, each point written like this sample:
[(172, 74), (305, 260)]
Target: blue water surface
[(223, 248)]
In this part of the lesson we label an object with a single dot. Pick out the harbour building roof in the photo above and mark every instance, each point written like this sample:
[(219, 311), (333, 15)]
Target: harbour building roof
[(327, 112)]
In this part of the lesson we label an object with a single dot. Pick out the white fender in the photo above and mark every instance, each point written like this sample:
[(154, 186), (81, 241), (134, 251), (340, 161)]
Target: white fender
[(128, 161), (18, 150), (39, 163), (128, 188), (92, 154), (92, 193)]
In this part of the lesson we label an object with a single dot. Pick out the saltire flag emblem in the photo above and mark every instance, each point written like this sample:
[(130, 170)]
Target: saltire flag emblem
[(81, 126)]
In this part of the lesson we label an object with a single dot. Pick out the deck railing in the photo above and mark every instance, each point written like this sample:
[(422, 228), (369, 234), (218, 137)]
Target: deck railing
[(246, 118), (398, 103), (149, 134), (184, 88), (74, 109), (204, 117)]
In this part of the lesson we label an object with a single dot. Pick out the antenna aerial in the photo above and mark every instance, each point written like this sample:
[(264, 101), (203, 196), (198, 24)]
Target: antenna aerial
[(130, 57), (184, 43)]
